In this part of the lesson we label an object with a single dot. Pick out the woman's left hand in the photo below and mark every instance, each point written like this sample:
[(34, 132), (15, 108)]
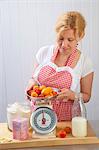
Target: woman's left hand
[(66, 94)]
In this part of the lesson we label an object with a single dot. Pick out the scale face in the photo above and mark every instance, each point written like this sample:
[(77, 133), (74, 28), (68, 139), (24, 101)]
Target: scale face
[(43, 120)]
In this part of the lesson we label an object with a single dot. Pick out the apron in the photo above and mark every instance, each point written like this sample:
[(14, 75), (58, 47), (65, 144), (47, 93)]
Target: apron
[(59, 77)]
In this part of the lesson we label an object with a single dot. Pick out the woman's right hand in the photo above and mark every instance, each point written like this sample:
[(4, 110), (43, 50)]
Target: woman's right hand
[(30, 85)]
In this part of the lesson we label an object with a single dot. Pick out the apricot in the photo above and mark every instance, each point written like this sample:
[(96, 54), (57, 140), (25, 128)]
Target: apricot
[(62, 134), (35, 87), (42, 87), (68, 130), (54, 93), (34, 94), (38, 91), (46, 91), (51, 94)]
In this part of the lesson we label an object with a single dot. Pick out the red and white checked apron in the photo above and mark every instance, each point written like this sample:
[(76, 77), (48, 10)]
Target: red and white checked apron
[(49, 76)]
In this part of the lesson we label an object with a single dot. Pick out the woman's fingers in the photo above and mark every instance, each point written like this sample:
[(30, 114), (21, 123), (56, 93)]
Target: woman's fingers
[(64, 90), (66, 94), (62, 96), (30, 85)]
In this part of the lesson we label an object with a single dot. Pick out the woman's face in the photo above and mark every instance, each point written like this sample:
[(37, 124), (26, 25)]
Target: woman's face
[(67, 41)]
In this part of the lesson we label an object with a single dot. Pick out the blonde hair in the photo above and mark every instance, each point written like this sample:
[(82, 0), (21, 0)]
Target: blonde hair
[(71, 20)]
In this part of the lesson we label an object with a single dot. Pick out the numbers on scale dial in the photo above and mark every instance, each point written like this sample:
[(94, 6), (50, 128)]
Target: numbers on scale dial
[(44, 120)]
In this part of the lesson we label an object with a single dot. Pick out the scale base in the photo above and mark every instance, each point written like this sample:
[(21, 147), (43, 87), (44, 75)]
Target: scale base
[(49, 135)]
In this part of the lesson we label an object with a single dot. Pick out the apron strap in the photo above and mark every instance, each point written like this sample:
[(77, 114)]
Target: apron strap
[(54, 54), (70, 58)]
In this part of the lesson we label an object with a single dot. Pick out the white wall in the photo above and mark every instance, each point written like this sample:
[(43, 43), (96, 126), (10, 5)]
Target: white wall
[(25, 26)]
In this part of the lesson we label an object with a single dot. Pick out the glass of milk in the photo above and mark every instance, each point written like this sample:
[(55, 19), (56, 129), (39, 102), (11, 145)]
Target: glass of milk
[(79, 127), (79, 119)]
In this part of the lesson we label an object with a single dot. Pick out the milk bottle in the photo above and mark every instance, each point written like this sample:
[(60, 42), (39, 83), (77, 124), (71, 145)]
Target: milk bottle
[(79, 121)]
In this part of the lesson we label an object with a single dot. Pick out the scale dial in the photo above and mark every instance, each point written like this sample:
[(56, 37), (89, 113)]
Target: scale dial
[(43, 120)]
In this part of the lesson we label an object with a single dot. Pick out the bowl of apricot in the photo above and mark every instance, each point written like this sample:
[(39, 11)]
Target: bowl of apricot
[(42, 92)]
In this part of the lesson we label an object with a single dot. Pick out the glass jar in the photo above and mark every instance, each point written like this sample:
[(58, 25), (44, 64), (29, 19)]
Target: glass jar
[(17, 110), (79, 117)]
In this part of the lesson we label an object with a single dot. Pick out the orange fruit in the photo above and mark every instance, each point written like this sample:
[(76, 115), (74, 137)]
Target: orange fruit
[(35, 87), (37, 90), (42, 87), (68, 130), (61, 134), (54, 93), (46, 91), (34, 94), (51, 94)]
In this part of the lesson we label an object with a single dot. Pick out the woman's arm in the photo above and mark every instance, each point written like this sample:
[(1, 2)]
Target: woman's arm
[(31, 81), (85, 89), (86, 86)]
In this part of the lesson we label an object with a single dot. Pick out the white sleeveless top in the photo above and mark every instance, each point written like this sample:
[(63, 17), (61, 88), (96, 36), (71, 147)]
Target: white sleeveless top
[(83, 67)]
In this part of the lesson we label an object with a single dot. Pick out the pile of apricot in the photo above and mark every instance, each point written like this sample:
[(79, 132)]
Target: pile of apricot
[(41, 91)]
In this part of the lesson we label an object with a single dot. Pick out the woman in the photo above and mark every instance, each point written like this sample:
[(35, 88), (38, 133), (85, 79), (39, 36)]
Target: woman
[(65, 67)]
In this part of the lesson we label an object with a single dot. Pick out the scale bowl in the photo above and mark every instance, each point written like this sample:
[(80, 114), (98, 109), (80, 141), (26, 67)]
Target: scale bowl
[(43, 99)]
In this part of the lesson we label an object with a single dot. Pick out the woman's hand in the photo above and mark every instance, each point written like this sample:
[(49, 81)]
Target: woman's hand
[(66, 95), (30, 85)]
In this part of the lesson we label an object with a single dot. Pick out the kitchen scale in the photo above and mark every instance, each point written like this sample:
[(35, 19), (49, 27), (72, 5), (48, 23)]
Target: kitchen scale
[(43, 121)]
